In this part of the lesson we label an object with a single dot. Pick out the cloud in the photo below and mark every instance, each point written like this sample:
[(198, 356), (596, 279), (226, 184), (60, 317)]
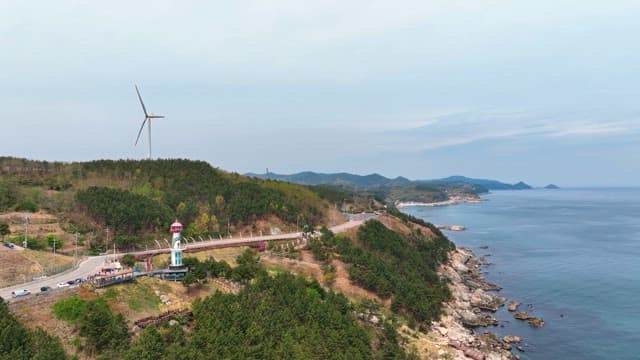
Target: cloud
[(474, 126)]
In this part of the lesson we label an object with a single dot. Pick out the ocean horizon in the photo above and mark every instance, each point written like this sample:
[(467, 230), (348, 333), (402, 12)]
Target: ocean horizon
[(568, 255)]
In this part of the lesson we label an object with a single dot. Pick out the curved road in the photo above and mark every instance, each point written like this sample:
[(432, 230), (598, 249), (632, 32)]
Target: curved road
[(91, 265), (84, 269)]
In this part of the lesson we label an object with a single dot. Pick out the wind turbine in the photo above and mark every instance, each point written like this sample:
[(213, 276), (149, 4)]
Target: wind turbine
[(147, 117)]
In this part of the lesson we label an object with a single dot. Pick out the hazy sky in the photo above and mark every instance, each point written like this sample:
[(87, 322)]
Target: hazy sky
[(538, 90)]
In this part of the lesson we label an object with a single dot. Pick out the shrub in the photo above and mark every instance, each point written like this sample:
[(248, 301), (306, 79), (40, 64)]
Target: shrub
[(128, 260), (27, 205), (70, 309)]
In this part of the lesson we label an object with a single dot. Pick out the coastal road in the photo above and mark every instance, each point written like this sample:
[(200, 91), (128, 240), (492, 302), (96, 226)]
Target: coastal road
[(245, 241), (91, 265), (84, 269)]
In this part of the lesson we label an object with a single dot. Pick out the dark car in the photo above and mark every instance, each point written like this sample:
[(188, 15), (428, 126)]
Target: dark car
[(71, 282), (45, 289)]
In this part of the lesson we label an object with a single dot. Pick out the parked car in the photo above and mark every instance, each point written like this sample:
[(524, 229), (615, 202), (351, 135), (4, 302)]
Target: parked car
[(18, 293), (45, 289), (9, 245), (63, 285)]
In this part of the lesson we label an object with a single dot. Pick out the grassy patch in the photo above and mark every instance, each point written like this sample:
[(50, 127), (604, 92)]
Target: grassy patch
[(160, 261), (70, 309), (276, 270), (140, 296), (111, 294)]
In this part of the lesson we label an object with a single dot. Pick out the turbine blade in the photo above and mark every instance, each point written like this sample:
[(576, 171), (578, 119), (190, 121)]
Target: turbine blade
[(140, 132), (141, 103), (157, 116)]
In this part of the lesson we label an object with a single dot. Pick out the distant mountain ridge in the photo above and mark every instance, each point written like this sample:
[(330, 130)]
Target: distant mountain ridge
[(340, 179), (377, 180)]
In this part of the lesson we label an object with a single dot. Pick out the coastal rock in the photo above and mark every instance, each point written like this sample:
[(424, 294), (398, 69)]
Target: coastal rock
[(467, 351), (443, 331), (532, 320), (473, 320), (460, 268), (465, 312), (472, 283), (522, 315), (513, 305), (451, 274), (486, 301), (537, 322), (511, 339), (473, 354), (484, 261)]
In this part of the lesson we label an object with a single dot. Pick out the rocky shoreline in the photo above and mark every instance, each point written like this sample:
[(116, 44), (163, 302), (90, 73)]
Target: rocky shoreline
[(470, 310)]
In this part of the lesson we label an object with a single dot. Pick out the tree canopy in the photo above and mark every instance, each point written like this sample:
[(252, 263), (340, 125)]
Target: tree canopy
[(18, 343), (394, 266)]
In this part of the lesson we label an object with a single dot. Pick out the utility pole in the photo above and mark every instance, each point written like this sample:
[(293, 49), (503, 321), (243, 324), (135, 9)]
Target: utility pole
[(54, 246), (26, 229), (106, 244), (75, 254)]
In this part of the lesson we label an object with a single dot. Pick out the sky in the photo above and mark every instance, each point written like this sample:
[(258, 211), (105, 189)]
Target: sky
[(543, 91)]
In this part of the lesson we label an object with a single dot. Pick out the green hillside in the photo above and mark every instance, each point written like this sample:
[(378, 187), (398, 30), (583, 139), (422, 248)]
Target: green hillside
[(137, 199)]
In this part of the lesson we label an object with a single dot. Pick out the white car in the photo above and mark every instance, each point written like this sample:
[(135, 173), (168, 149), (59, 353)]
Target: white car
[(63, 285), (18, 293)]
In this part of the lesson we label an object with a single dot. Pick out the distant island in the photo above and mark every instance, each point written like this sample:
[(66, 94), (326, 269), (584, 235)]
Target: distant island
[(552, 186), (486, 183)]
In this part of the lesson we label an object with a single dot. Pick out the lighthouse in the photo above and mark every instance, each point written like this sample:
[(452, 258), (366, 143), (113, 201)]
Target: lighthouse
[(176, 239)]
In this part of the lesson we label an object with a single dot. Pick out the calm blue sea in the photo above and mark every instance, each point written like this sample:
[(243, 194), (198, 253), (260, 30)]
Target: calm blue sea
[(574, 254)]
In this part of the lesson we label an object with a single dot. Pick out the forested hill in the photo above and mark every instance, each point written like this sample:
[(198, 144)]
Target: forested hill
[(137, 198), (486, 183), (339, 179)]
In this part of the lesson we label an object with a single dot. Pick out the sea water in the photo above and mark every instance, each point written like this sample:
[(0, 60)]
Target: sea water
[(570, 256)]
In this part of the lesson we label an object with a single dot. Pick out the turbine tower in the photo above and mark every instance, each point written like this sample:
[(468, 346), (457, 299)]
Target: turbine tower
[(147, 117)]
